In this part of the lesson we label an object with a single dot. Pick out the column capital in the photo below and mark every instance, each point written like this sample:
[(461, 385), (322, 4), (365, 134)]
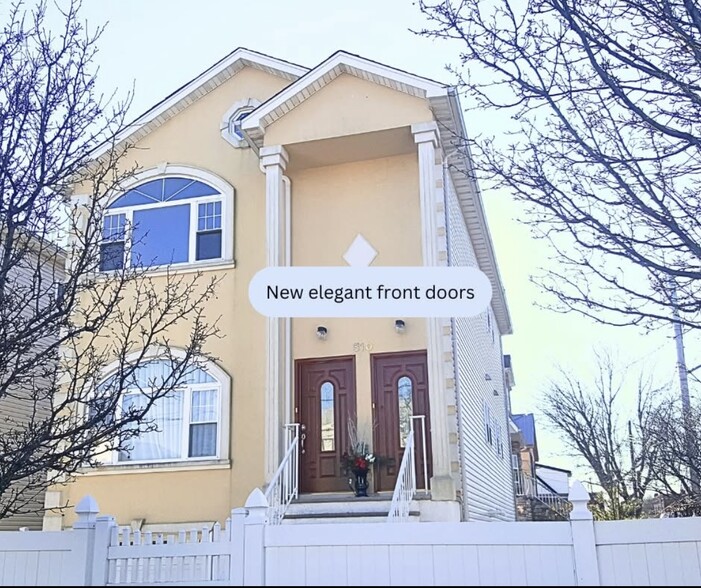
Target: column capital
[(425, 132), (274, 155)]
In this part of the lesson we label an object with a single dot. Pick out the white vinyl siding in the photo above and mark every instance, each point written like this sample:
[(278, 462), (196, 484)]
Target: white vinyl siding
[(487, 484)]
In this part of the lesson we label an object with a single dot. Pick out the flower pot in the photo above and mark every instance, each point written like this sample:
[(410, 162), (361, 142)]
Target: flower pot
[(361, 482)]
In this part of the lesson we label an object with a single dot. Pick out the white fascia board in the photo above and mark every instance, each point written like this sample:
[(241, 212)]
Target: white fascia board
[(431, 88), (239, 54)]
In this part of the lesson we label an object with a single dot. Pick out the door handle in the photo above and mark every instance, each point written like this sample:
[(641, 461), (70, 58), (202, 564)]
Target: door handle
[(302, 437)]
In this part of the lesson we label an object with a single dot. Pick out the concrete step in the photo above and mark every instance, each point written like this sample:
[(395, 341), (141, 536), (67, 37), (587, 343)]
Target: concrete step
[(353, 506), (339, 507), (377, 517)]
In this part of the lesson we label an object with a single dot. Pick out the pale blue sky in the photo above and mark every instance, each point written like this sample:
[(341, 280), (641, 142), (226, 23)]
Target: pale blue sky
[(160, 44)]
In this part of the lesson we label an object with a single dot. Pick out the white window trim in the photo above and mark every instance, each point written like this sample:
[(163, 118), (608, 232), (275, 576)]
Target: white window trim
[(164, 171), (233, 112), (223, 385)]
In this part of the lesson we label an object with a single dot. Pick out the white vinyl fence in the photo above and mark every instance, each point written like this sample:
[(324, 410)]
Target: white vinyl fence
[(247, 551)]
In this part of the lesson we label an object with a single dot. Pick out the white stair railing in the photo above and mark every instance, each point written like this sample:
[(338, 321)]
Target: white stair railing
[(405, 487), (422, 419), (526, 485), (284, 486)]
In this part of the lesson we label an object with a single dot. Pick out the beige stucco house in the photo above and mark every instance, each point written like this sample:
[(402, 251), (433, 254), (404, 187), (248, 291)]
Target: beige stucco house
[(258, 162)]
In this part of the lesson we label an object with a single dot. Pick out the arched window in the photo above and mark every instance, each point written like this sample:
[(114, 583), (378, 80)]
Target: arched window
[(188, 423), (173, 219)]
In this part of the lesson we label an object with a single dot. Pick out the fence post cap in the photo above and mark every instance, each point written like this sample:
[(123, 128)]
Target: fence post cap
[(256, 499), (579, 497), (87, 510)]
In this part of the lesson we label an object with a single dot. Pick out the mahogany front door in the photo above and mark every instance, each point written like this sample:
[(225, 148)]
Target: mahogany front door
[(325, 397), (399, 391)]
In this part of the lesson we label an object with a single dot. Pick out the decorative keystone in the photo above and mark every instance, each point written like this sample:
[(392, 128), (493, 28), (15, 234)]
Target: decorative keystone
[(579, 498)]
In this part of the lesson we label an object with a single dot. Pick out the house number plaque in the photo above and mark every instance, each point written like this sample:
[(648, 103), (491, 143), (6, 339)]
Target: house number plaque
[(360, 347)]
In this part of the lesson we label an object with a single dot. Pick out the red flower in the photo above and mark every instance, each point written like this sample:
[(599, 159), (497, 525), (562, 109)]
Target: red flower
[(361, 463)]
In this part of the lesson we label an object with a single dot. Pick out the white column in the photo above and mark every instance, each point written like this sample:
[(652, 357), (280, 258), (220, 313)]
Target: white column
[(273, 161), (442, 483)]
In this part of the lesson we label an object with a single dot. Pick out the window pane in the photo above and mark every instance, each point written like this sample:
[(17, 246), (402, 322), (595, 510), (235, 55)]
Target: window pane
[(204, 406), (209, 216), (113, 227), (166, 415), (328, 434), (237, 119), (112, 256), (203, 440), (161, 235), (328, 425), (208, 245), (164, 190), (406, 407)]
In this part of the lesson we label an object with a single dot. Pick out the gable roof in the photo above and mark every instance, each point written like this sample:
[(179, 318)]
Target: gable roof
[(339, 63), (208, 80)]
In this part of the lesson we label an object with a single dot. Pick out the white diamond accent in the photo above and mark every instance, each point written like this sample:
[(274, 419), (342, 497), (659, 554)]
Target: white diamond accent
[(360, 253)]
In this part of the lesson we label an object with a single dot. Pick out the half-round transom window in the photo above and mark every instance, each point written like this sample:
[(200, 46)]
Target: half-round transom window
[(164, 221)]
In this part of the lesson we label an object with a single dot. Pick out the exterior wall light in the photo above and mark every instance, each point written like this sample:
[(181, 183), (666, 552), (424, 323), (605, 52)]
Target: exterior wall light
[(322, 332), (399, 326)]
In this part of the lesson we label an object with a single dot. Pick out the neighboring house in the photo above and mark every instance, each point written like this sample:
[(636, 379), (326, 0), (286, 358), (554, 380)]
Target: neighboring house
[(37, 275), (541, 490), (258, 162), (525, 443)]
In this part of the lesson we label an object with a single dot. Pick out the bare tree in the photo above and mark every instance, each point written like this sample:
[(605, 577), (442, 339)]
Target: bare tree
[(603, 102), (675, 432), (61, 328), (592, 420)]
